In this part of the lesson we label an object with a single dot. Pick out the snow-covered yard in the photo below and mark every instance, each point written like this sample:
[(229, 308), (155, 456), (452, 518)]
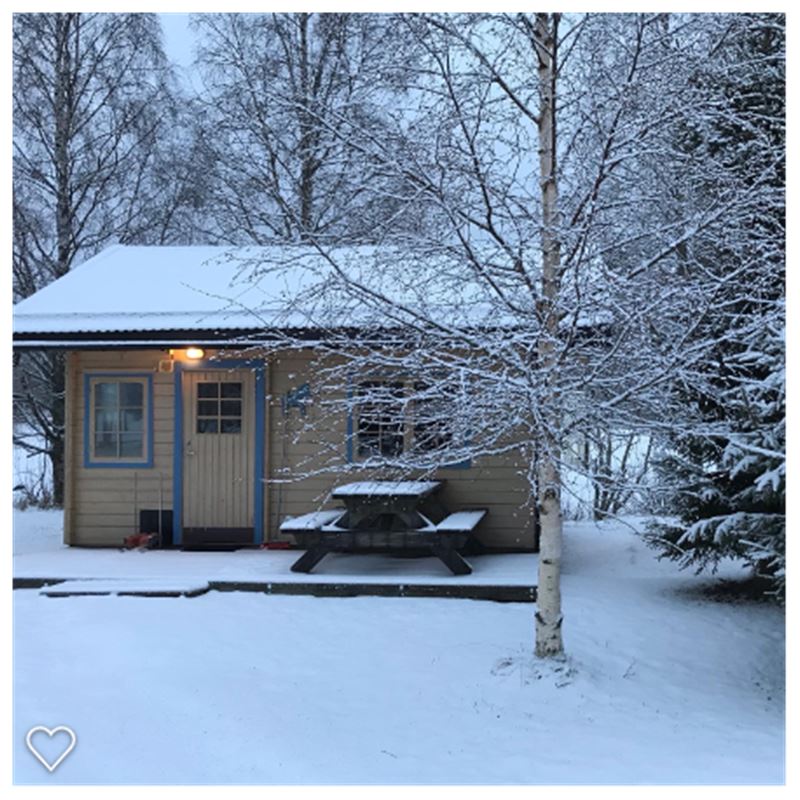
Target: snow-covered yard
[(38, 553), (662, 685)]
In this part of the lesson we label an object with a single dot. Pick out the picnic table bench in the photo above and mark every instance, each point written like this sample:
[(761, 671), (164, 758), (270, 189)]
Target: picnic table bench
[(385, 516)]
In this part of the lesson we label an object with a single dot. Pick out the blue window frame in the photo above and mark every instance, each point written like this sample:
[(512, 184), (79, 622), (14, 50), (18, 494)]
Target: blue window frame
[(118, 419)]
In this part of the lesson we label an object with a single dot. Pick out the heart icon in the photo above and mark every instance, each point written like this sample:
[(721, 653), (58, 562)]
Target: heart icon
[(73, 740)]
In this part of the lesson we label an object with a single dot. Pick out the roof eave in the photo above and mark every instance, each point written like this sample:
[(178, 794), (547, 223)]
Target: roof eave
[(163, 339)]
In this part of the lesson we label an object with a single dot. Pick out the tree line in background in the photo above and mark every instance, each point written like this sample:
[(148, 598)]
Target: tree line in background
[(609, 187)]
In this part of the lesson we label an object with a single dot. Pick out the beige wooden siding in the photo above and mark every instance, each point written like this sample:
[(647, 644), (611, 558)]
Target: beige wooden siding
[(295, 445), (104, 503)]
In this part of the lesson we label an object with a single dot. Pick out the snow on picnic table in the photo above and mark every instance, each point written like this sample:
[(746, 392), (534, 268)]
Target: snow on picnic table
[(386, 489), (661, 686)]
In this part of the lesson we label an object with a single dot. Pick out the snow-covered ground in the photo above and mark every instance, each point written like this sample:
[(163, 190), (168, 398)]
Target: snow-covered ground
[(38, 553), (661, 686)]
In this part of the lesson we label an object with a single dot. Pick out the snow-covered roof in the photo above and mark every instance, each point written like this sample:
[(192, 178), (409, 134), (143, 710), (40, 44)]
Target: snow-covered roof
[(156, 296), (136, 288), (143, 289)]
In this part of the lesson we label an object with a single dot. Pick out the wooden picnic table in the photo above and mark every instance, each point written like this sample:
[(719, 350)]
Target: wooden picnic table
[(385, 516)]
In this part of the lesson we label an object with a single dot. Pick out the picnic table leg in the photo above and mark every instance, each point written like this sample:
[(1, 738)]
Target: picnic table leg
[(310, 558), (452, 559)]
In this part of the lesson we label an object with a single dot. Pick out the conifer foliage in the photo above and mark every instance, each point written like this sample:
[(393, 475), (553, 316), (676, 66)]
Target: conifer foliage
[(725, 461)]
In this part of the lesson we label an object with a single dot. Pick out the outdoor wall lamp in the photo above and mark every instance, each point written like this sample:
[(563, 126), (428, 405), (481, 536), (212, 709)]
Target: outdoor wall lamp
[(195, 353)]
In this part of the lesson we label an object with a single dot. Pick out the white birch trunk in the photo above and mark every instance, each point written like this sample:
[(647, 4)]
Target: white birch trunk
[(548, 615), (548, 612)]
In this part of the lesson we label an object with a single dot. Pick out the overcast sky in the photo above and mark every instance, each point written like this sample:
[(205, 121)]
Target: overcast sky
[(178, 38)]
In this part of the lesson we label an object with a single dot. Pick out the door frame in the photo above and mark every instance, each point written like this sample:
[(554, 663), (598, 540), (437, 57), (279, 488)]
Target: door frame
[(258, 366)]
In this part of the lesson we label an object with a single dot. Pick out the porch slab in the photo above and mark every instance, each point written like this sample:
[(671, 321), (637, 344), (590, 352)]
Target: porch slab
[(100, 588), (74, 571), (136, 587)]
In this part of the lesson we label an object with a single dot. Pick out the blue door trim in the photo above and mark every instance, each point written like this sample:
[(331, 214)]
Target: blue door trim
[(258, 367)]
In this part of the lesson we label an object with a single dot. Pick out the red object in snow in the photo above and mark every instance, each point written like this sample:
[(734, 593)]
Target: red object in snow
[(140, 540), (275, 546)]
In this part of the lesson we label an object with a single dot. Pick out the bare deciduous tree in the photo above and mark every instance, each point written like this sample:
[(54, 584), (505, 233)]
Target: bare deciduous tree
[(553, 300), (284, 95), (93, 125)]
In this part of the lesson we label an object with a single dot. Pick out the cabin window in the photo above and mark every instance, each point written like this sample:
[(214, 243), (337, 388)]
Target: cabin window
[(219, 407), (380, 429), (118, 420), (433, 419), (390, 418)]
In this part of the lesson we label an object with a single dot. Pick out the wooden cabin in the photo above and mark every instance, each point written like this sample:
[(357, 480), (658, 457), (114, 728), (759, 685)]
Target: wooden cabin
[(176, 424)]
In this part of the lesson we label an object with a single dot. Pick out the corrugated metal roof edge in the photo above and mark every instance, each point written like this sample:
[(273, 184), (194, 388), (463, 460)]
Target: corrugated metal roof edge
[(216, 337)]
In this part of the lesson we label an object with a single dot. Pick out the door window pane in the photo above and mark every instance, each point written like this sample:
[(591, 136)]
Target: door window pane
[(208, 390), (231, 389), (219, 415), (231, 408), (207, 408)]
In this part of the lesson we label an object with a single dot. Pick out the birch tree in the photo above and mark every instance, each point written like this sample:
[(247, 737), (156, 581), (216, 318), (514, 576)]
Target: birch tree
[(544, 39), (276, 90), (565, 290), (93, 116)]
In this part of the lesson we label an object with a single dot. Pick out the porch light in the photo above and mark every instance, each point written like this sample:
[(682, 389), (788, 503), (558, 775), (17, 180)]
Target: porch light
[(195, 353)]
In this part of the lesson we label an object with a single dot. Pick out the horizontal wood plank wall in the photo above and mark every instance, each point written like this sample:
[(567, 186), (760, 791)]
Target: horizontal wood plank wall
[(106, 502), (295, 444)]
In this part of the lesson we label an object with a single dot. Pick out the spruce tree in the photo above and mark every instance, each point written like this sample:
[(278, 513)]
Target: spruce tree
[(726, 462)]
